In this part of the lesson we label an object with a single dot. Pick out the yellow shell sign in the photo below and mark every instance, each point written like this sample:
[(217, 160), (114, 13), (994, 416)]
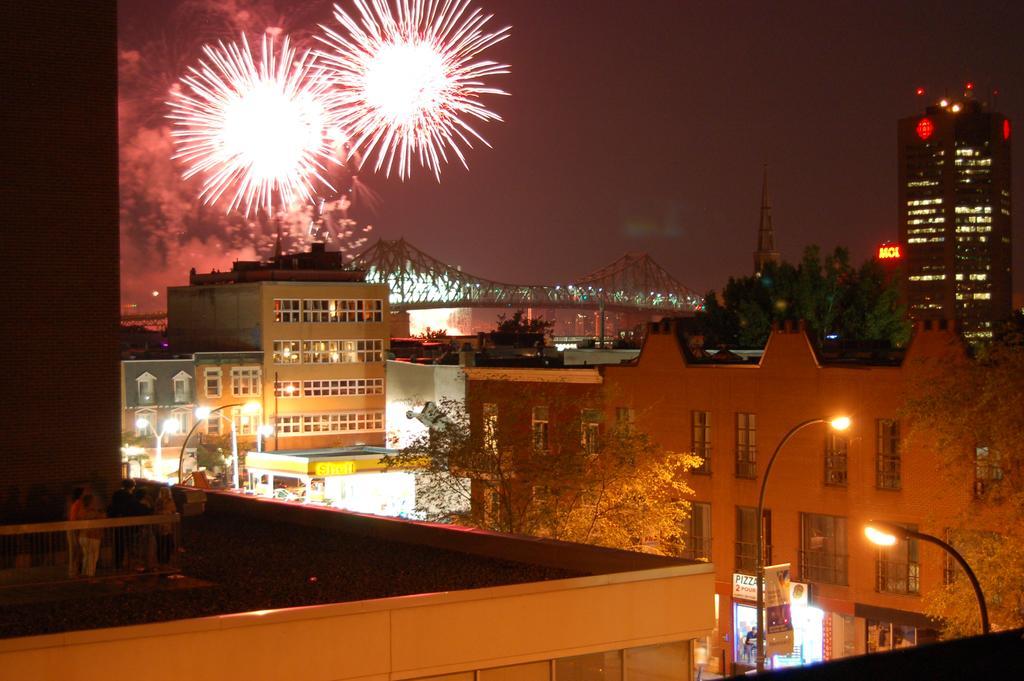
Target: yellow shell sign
[(327, 468)]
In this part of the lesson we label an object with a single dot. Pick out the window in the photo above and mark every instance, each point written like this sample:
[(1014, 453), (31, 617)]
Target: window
[(182, 388), (539, 428), (887, 467), (882, 636), (897, 569), (342, 351), (147, 388), (213, 424), (624, 418), (287, 352), (836, 447), (245, 381), (590, 430), (701, 440), (286, 310), (245, 424), (149, 416), (697, 533), (988, 470), (343, 387), (324, 310), (331, 422), (823, 555), (287, 388), (211, 377), (183, 417), (746, 539), (490, 419), (746, 445)]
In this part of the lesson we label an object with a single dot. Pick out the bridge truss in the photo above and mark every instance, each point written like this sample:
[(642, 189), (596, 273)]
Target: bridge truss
[(419, 281)]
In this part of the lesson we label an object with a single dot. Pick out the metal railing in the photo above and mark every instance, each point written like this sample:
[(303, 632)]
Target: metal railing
[(697, 548), (897, 577), (828, 568), (49, 552), (887, 471), (746, 556)]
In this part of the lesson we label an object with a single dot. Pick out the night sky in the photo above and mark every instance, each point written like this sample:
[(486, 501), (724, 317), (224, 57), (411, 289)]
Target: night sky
[(638, 126)]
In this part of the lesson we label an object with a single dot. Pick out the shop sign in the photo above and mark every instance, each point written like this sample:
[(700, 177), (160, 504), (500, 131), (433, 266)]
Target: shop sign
[(326, 468), (744, 587)]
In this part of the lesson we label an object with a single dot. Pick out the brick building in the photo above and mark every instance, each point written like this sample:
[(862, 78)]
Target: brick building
[(823, 488)]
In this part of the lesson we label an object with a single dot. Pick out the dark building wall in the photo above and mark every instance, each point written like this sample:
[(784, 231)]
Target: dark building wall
[(217, 318), (60, 243)]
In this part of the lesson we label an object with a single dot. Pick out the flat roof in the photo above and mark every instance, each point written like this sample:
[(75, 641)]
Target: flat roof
[(246, 554)]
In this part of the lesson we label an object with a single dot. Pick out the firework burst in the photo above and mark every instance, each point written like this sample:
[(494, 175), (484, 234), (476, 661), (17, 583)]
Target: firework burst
[(407, 81), (257, 132)]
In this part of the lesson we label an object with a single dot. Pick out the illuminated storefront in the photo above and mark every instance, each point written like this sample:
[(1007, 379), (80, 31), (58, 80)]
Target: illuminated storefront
[(352, 478), (808, 626)]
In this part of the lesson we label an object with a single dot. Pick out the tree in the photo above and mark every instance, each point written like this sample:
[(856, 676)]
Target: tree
[(619, 489), (433, 334), (831, 296), (517, 323), (972, 411)]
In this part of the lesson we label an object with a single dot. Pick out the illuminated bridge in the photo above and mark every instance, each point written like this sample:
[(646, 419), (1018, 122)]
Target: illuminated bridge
[(418, 281), (633, 283)]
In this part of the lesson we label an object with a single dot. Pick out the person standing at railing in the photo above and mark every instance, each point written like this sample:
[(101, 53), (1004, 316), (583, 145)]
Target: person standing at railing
[(120, 507), (90, 538), (73, 510), (164, 531)]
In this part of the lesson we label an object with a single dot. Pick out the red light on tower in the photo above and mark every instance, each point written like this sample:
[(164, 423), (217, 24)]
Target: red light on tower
[(969, 85), (919, 92), (1006, 128), (925, 128)]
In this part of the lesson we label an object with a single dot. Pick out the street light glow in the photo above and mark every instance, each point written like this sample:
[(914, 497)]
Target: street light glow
[(141, 423), (203, 413), (170, 426), (266, 430), (840, 422), (251, 407), (879, 537)]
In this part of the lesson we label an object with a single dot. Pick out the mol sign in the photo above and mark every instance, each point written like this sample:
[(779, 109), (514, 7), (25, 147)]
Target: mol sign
[(889, 252)]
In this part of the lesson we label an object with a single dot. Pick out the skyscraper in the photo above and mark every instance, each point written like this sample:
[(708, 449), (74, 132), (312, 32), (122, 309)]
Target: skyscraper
[(765, 252), (954, 214)]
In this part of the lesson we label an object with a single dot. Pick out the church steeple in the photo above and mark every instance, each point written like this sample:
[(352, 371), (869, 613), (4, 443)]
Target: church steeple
[(765, 252)]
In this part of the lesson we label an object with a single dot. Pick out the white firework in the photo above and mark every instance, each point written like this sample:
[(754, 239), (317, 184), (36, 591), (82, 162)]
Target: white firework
[(407, 79), (257, 132)]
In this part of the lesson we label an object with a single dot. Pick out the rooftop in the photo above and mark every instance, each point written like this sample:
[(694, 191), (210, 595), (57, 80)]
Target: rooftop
[(318, 264)]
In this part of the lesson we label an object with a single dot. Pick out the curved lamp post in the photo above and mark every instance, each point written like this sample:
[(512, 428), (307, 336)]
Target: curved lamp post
[(837, 423), (169, 427), (203, 414), (886, 534)]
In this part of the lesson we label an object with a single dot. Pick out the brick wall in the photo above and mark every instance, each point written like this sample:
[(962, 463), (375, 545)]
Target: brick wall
[(60, 243)]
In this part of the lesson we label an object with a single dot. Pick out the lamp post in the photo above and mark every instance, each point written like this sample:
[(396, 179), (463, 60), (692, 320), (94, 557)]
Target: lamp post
[(264, 430), (886, 534), (169, 427), (837, 423), (203, 414)]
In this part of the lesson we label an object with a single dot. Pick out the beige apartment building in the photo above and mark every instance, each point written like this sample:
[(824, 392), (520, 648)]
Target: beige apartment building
[(296, 345)]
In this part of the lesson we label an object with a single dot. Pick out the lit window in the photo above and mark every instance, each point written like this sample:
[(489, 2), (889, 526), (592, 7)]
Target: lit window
[(287, 352), (147, 388), (333, 351), (330, 423), (286, 310), (897, 567), (823, 556), (836, 449), (147, 415), (288, 388), (490, 414), (183, 417)]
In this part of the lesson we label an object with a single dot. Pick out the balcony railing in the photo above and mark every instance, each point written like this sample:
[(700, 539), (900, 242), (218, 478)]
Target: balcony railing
[(49, 552), (828, 568), (746, 556), (746, 463), (897, 577), (887, 471), (697, 548), (835, 469)]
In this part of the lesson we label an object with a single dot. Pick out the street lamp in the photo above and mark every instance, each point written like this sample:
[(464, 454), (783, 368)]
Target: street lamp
[(264, 430), (839, 423), (887, 534), (203, 414), (170, 427)]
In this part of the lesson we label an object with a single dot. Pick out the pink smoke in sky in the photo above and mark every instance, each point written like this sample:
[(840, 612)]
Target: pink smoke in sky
[(165, 229)]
